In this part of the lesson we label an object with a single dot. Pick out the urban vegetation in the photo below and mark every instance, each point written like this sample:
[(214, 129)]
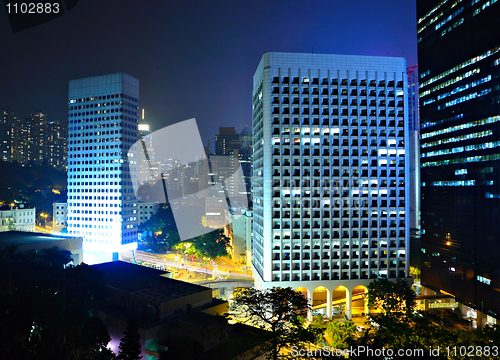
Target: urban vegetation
[(396, 325), (130, 345), (162, 236), (278, 310), (34, 185), (46, 305)]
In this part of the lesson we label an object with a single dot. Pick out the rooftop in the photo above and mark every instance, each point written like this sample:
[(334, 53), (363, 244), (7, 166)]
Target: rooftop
[(145, 282), (12, 238)]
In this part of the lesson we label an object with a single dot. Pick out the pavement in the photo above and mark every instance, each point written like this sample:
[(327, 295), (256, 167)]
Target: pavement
[(193, 271)]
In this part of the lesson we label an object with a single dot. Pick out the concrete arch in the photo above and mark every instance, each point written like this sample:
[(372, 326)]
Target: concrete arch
[(303, 290), (341, 295), (360, 300), (320, 298), (307, 293)]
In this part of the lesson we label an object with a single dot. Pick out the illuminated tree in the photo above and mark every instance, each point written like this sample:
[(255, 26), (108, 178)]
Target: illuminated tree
[(276, 310)]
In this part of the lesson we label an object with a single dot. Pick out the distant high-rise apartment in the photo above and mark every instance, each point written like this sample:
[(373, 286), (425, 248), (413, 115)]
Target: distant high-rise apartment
[(459, 66), (7, 123), (103, 124), (330, 177), (32, 140)]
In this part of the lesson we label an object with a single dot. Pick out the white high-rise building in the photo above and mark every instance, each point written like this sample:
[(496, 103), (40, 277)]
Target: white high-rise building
[(103, 113), (330, 180)]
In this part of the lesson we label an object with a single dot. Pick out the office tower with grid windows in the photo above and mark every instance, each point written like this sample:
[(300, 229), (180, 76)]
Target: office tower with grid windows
[(459, 66), (414, 147), (103, 113), (330, 180)]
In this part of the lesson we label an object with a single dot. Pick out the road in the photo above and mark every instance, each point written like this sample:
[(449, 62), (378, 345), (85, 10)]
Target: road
[(208, 269)]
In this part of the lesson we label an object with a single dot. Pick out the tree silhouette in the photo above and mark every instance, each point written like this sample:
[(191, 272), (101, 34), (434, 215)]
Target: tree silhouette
[(276, 310), (130, 344)]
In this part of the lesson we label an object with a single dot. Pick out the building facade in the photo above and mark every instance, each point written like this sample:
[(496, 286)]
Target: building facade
[(33, 139), (7, 122), (414, 146), (103, 124), (459, 66), (330, 176), (17, 219), (226, 140), (59, 216)]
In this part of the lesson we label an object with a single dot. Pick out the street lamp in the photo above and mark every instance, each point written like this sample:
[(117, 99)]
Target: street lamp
[(44, 216)]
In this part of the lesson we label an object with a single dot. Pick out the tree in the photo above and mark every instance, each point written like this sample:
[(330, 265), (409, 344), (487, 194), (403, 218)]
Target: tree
[(93, 340), (161, 226), (130, 344), (212, 244), (276, 310), (341, 335), (396, 298)]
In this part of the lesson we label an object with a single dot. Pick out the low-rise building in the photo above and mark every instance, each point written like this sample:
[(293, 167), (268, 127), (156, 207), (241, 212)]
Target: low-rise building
[(31, 241), (146, 210), (17, 218), (241, 226), (162, 307), (59, 216)]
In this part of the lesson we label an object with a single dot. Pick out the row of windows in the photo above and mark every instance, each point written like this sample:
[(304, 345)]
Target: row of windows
[(334, 134), (333, 92), (460, 149), (430, 13), (335, 275), (469, 159), (335, 122), (344, 255), (105, 104), (100, 125), (335, 111), (476, 135), (488, 120), (325, 81), (461, 66), (336, 193), (103, 97)]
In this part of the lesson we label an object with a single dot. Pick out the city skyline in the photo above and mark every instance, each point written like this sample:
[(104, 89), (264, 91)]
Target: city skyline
[(193, 60)]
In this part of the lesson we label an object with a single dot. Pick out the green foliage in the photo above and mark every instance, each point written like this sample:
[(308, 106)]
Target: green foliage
[(341, 334), (403, 328), (25, 183), (276, 310), (11, 225), (319, 322), (212, 244), (130, 344), (394, 297), (164, 236)]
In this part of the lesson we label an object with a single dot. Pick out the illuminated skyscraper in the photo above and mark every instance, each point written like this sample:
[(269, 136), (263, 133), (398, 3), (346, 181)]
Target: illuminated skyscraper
[(330, 180), (459, 66), (103, 124), (413, 147)]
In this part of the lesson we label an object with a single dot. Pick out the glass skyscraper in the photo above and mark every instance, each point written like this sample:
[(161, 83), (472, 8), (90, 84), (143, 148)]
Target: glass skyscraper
[(330, 176), (459, 66), (103, 113)]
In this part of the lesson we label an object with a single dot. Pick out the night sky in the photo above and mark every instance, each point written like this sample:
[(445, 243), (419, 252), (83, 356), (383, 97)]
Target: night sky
[(193, 58)]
